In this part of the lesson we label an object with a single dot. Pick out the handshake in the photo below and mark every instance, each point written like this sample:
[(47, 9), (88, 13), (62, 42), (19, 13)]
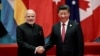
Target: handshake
[(39, 50)]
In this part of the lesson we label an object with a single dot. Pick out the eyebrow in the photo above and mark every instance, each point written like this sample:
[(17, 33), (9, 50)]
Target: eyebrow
[(30, 16)]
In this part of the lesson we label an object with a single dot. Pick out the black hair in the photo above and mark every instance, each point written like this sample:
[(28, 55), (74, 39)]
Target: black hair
[(64, 7)]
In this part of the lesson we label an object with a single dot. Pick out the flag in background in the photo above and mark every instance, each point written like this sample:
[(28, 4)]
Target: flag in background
[(12, 15), (74, 9), (2, 29), (90, 19), (7, 19), (20, 8), (83, 11), (86, 12), (44, 15), (55, 5)]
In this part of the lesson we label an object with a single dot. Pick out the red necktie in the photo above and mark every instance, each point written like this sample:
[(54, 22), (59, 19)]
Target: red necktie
[(63, 32)]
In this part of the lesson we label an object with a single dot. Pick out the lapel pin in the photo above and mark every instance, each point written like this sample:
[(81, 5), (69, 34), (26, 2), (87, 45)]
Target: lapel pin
[(70, 25)]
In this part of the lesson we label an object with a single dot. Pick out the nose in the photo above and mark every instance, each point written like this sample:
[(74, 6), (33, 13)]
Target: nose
[(31, 17), (63, 15)]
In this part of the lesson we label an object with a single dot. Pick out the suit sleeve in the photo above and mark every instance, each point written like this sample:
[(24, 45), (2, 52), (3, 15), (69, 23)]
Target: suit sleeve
[(80, 41), (21, 42), (52, 40)]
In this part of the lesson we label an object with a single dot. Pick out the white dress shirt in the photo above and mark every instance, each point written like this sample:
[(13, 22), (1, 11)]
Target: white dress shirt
[(66, 24)]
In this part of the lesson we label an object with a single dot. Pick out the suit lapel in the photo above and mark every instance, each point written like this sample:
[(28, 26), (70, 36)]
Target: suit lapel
[(59, 31), (69, 26)]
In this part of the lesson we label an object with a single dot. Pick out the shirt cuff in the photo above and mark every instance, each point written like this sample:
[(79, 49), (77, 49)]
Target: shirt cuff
[(35, 50)]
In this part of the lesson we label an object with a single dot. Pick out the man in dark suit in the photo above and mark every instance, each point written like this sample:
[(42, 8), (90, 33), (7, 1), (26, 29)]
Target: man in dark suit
[(66, 35), (29, 36)]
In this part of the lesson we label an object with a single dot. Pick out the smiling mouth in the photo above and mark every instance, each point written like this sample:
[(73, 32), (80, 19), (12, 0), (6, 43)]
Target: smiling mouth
[(30, 20)]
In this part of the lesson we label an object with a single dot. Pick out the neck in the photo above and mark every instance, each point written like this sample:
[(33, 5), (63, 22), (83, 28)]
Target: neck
[(64, 20)]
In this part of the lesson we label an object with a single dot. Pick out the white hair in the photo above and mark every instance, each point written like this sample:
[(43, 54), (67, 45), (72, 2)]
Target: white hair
[(30, 11)]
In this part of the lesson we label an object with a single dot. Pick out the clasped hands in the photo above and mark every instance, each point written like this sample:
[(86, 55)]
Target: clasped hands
[(39, 49)]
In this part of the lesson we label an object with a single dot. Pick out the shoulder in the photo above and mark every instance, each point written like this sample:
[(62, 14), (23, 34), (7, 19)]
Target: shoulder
[(37, 25), (56, 25), (73, 22), (22, 25)]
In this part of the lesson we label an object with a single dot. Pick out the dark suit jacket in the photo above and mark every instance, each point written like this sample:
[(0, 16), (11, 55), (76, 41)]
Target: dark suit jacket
[(28, 38), (73, 43)]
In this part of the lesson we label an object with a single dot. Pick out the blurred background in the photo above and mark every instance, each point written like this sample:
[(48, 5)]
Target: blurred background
[(86, 12)]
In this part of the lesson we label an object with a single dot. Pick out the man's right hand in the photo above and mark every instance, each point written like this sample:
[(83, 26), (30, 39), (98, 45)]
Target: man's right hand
[(40, 49)]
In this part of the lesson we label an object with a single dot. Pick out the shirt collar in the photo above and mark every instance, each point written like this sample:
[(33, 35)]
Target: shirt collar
[(66, 23)]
